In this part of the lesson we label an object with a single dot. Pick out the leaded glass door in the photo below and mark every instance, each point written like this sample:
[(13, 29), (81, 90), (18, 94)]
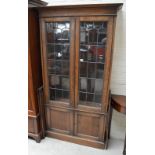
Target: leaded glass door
[(59, 57), (93, 50)]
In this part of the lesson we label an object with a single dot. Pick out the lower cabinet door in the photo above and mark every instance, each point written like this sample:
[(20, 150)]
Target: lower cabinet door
[(59, 120), (89, 125), (80, 124)]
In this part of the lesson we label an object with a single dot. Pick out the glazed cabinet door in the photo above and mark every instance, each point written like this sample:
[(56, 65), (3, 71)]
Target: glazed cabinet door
[(58, 72), (58, 60), (93, 63)]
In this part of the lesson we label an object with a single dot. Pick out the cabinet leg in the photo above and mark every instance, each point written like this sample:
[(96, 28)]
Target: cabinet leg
[(38, 139)]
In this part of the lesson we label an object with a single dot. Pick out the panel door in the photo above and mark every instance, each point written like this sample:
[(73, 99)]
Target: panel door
[(93, 62), (58, 72)]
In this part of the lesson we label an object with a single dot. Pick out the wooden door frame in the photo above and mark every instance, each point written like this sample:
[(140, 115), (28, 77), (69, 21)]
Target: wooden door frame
[(44, 61)]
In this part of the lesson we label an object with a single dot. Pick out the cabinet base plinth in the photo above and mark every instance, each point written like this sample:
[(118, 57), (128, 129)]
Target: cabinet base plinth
[(34, 130), (75, 139), (36, 137)]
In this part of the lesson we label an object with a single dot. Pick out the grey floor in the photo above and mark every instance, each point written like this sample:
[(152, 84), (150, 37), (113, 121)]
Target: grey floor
[(50, 146)]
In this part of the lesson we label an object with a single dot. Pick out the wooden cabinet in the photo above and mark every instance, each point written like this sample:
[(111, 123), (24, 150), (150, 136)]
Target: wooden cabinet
[(34, 75), (77, 46), (34, 71)]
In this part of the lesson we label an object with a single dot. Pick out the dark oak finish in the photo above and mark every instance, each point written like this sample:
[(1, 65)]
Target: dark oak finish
[(85, 10), (34, 75), (73, 118)]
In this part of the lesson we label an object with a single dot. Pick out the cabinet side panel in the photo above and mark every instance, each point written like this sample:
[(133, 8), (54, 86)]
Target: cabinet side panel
[(34, 73), (34, 53)]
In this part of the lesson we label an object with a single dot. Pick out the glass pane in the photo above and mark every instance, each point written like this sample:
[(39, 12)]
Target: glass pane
[(65, 68), (83, 53), (93, 37), (98, 98), (83, 84), (100, 54), (65, 52), (90, 97), (50, 52), (91, 85), (84, 37), (83, 69), (50, 33), (53, 81), (65, 94), (99, 70), (65, 83), (91, 70), (82, 97), (54, 67), (58, 51), (58, 94), (98, 86), (58, 55), (59, 82), (52, 94), (50, 66), (92, 53)]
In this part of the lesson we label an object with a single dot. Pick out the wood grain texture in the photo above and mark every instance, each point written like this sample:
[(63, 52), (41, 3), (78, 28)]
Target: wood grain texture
[(60, 120), (77, 48), (85, 10), (91, 127), (107, 70)]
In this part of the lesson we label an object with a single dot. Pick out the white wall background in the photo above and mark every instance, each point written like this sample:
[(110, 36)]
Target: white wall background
[(73, 2), (118, 77)]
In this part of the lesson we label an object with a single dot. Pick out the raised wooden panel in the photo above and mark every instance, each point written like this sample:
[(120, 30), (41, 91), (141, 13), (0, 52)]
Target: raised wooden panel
[(62, 120), (89, 125), (30, 125), (59, 120)]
